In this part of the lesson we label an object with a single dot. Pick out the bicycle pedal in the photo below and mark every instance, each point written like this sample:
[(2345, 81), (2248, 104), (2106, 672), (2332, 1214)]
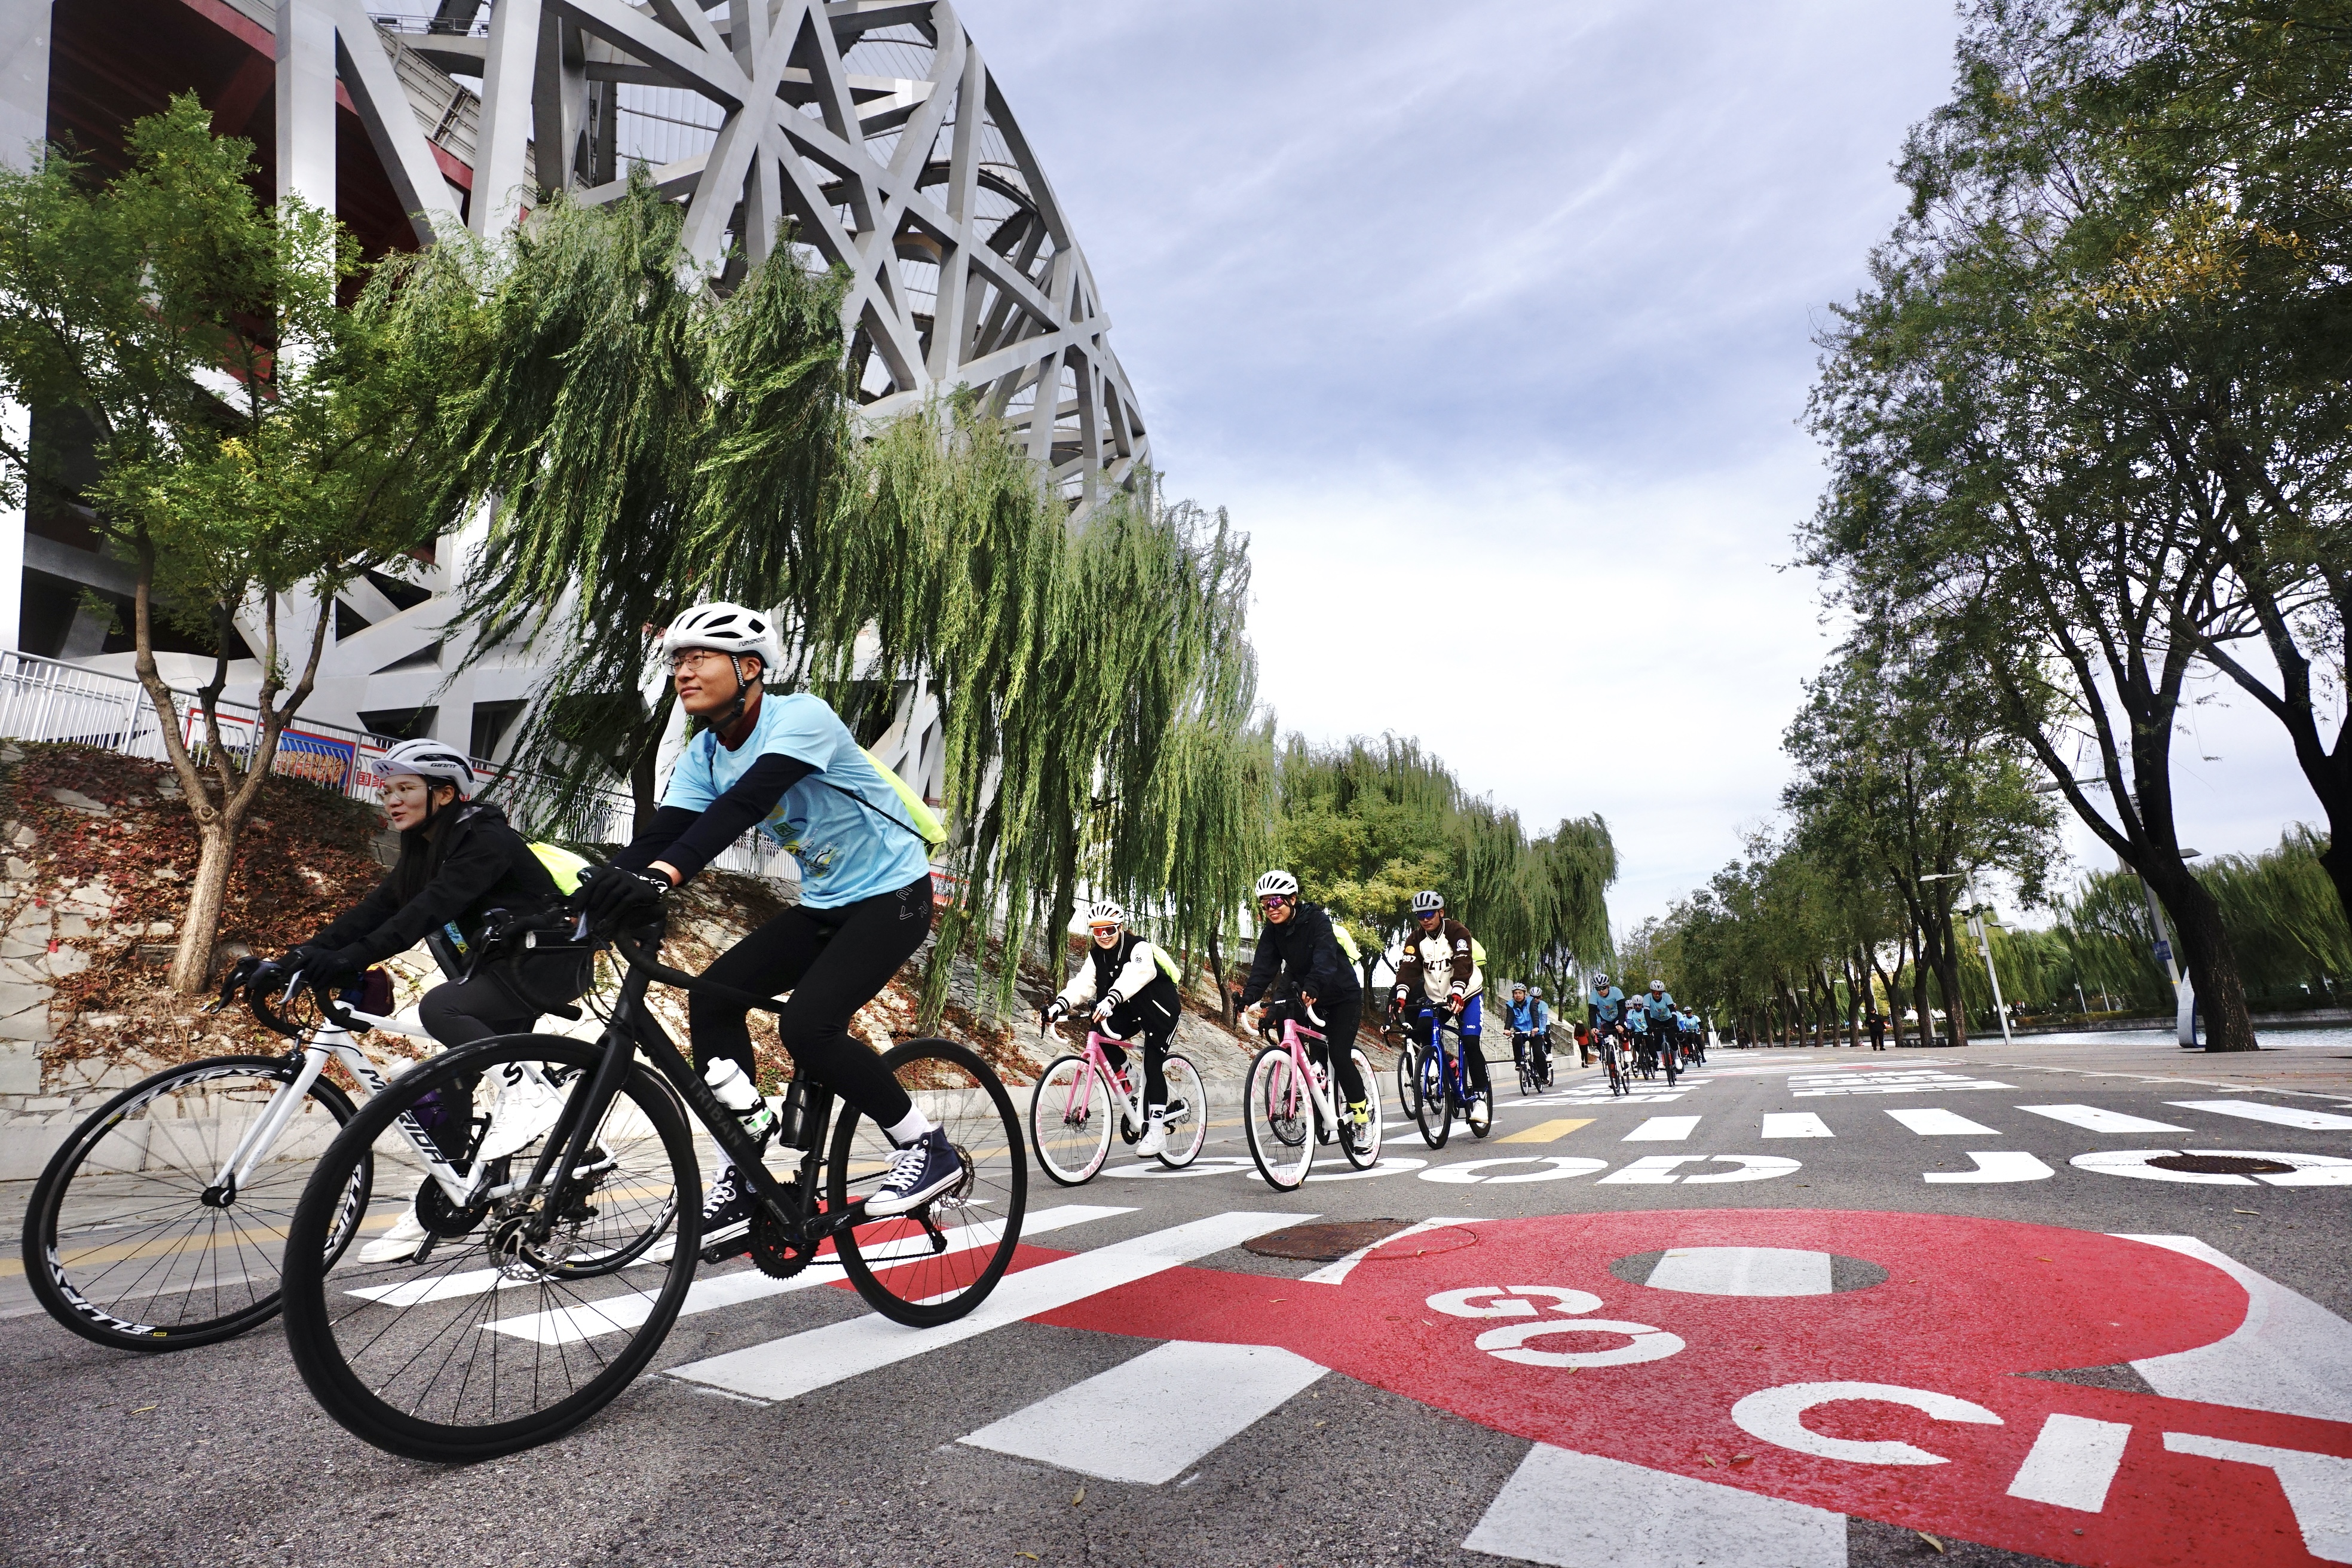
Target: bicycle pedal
[(735, 1244)]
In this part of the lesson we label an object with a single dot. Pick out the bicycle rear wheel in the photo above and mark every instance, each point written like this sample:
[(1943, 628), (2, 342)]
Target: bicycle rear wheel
[(130, 1241), (1278, 1118), (485, 1339), (903, 1271), (1185, 1136), (1369, 1155), (1069, 1121)]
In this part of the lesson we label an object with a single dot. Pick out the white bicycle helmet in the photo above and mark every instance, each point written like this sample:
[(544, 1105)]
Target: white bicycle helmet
[(728, 628), (1277, 885), (1428, 901), (1601, 983), (1103, 912), (431, 762)]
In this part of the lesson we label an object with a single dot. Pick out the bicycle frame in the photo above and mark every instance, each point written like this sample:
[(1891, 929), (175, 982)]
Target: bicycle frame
[(331, 1040), (1294, 1037), (1452, 1072), (1098, 1061)]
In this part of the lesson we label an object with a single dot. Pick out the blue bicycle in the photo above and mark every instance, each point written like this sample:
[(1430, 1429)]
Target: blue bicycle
[(1444, 1090)]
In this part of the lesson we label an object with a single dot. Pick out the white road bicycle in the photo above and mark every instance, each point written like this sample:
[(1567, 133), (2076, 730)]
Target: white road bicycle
[(1081, 1098), (160, 1224)]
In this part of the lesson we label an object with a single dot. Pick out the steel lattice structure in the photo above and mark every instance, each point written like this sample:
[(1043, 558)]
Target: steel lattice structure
[(869, 132)]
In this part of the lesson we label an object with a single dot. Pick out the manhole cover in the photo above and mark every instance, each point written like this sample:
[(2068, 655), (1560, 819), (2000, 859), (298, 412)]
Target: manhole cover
[(1331, 1242), (2220, 1164)]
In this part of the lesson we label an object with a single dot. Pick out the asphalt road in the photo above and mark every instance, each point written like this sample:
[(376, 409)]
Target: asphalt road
[(1746, 1324)]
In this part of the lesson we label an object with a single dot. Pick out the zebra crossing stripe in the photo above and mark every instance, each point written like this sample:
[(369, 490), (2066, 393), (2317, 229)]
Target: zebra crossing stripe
[(573, 1325), (2278, 1115), (2097, 1119), (1574, 1510), (802, 1362), (1548, 1132), (1795, 1124), (1940, 1123), (1663, 1129), (1149, 1419)]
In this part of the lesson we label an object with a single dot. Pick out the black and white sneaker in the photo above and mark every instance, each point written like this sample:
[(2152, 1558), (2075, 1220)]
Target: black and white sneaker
[(923, 1170), (728, 1204)]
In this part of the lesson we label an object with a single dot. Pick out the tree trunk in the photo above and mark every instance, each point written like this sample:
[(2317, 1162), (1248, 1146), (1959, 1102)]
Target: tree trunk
[(191, 961), (1919, 998), (1217, 973), (1948, 980), (2211, 961)]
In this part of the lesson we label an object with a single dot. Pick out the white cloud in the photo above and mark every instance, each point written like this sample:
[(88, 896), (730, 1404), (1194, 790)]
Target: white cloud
[(1472, 307)]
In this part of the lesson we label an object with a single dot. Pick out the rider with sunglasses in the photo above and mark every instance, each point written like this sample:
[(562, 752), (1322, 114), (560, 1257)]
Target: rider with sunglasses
[(1131, 986), (1441, 962), (1295, 943)]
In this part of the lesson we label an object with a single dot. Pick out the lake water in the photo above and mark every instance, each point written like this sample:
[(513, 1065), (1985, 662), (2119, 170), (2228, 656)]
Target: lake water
[(2332, 1036)]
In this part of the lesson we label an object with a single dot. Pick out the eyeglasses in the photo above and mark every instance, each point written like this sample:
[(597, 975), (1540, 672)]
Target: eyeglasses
[(686, 658), (1103, 930), (1275, 902)]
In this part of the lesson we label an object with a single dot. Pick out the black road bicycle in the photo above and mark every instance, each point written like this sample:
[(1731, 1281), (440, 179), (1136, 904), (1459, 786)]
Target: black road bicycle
[(489, 1338)]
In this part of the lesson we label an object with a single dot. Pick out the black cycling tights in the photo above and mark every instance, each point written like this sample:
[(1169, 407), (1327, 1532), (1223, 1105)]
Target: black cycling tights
[(834, 962), (1152, 1014)]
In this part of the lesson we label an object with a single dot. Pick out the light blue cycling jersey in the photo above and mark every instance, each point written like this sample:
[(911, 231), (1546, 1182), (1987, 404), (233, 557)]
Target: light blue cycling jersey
[(1635, 1021), (1528, 1017), (1607, 1004), (1661, 1007), (847, 851)]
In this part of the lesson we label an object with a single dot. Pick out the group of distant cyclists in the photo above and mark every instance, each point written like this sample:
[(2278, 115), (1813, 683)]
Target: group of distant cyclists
[(1640, 1035)]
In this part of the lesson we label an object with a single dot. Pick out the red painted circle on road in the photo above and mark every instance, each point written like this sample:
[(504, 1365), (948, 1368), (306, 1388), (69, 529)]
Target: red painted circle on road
[(1651, 1377)]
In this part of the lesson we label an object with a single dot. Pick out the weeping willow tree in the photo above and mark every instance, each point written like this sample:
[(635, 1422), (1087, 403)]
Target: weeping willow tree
[(1367, 823), (642, 443)]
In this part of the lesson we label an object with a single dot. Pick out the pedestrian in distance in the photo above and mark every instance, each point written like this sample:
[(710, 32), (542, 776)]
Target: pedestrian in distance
[(1876, 1025)]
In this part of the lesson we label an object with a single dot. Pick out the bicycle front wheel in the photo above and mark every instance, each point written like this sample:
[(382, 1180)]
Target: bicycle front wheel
[(1069, 1121), (1408, 1077), (134, 1238), (1278, 1118), (1433, 1110), (938, 1263), (1187, 1129), (1366, 1153), (484, 1336)]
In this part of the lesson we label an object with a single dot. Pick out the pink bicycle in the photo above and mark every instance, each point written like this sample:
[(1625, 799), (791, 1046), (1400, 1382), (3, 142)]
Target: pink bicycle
[(1080, 1099), (1287, 1110)]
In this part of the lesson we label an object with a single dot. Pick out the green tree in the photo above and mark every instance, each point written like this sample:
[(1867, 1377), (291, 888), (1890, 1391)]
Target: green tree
[(254, 439)]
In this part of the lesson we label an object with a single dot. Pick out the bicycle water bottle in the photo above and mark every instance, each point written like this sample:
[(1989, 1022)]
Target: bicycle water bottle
[(740, 1095)]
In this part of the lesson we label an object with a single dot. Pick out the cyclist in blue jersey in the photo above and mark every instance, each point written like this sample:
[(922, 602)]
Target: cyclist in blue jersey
[(1529, 1021), (789, 766), (1606, 1006), (1665, 1030)]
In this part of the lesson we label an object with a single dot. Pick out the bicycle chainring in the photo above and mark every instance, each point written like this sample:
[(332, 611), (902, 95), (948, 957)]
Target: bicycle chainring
[(436, 1214), (773, 1253)]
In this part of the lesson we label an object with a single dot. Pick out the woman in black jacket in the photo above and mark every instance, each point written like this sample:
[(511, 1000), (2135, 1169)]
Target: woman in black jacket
[(458, 861), (1295, 942)]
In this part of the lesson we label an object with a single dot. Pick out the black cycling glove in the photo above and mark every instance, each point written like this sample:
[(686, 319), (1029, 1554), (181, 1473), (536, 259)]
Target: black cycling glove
[(608, 892)]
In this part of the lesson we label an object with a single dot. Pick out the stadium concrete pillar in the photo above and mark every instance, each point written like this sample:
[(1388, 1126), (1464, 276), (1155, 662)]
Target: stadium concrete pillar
[(305, 102)]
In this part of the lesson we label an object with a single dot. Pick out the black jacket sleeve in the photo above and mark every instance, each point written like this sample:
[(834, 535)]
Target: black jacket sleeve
[(471, 870), (646, 847), (726, 819), (361, 918), (1263, 967)]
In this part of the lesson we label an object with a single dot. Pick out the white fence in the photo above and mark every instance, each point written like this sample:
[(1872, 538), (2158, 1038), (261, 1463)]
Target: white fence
[(44, 700)]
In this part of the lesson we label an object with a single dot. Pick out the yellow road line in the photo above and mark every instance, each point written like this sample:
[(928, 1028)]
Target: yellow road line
[(1548, 1132)]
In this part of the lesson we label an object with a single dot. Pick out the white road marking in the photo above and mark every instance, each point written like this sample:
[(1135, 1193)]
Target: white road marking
[(1742, 1271), (1889, 1083), (1996, 1167), (1795, 1124), (1336, 1273), (2073, 1463), (2278, 1115), (1940, 1123), (1388, 1165), (1577, 1510), (571, 1325), (2291, 1356), (2310, 1170), (1658, 1170), (1776, 1415), (819, 1358), (1663, 1129), (1151, 1419), (1554, 1168), (2097, 1119), (2317, 1487)]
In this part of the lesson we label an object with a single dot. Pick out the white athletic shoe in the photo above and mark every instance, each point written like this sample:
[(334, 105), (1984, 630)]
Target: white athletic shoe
[(526, 1108), (398, 1244), (1154, 1141)]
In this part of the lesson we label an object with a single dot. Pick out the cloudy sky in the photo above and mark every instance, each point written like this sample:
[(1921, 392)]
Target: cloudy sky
[(1491, 324)]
